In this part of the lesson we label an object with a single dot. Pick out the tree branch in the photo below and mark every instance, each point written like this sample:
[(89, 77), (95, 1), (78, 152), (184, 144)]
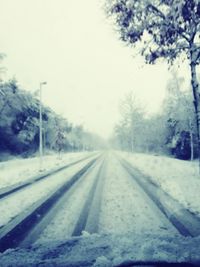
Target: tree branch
[(155, 10)]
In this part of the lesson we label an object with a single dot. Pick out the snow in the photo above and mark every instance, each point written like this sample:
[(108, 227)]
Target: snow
[(23, 199), (131, 227), (178, 178), (17, 170), (126, 208), (64, 222), (106, 250)]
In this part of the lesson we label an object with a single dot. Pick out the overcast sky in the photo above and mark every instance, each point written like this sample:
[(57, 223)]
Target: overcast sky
[(72, 46)]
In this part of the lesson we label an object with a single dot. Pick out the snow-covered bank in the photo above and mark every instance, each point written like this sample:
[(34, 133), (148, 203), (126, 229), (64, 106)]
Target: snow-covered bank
[(125, 207), (106, 251), (14, 204), (178, 178), (14, 171)]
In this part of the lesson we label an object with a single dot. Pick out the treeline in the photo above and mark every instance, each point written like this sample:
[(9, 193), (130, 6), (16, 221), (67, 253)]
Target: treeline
[(19, 125), (171, 132)]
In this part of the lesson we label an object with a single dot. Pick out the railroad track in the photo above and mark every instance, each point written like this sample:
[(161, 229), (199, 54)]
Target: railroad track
[(89, 217), (24, 229), (182, 219), (4, 192)]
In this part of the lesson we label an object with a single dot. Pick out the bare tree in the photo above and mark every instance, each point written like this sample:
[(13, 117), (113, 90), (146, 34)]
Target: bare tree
[(166, 29), (178, 107), (132, 118)]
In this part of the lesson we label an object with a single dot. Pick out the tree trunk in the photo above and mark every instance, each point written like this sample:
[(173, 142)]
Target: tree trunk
[(191, 146), (191, 139), (195, 89)]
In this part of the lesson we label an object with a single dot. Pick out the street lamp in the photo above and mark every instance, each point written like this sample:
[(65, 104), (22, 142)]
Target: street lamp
[(40, 138)]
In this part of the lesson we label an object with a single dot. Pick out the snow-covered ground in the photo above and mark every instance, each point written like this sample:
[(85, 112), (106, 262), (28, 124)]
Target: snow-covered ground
[(12, 205), (180, 179), (18, 170), (131, 227), (106, 251), (63, 224), (126, 208)]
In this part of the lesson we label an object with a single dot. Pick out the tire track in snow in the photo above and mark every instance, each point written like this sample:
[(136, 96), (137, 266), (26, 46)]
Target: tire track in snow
[(17, 231), (126, 208), (183, 220)]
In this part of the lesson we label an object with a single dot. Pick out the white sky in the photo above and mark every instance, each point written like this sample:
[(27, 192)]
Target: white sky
[(71, 45)]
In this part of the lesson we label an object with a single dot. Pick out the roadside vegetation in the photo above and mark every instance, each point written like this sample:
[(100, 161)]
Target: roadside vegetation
[(19, 125), (166, 30), (172, 131)]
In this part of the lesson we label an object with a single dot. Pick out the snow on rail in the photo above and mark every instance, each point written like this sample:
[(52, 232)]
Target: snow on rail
[(20, 185), (12, 234), (18, 170), (187, 223)]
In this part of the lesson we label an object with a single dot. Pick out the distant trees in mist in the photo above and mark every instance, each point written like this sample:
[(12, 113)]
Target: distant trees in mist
[(172, 131)]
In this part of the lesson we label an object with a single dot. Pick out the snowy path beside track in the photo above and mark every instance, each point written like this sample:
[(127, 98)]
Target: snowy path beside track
[(178, 178), (14, 171), (125, 206), (13, 204)]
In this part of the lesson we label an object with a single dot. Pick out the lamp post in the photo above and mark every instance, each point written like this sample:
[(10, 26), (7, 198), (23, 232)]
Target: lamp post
[(40, 138)]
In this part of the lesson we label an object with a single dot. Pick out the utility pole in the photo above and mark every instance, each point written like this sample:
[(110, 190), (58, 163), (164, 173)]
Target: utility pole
[(40, 138)]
